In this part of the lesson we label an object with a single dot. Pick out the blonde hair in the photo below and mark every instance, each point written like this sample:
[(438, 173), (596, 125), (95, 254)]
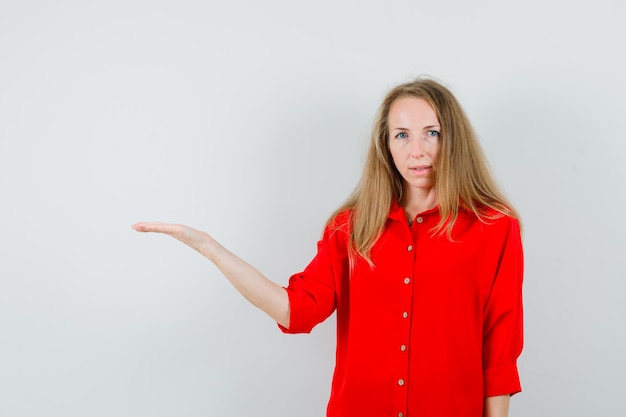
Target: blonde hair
[(463, 179)]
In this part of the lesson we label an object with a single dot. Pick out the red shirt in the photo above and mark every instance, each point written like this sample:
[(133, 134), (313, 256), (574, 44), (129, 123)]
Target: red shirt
[(432, 329)]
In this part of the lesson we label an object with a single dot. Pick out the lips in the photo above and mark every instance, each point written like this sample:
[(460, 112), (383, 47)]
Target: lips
[(420, 169)]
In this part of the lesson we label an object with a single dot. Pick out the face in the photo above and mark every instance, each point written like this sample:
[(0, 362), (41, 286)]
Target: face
[(414, 132)]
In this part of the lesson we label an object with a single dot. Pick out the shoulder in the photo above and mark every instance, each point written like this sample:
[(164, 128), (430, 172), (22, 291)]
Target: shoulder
[(341, 222), (491, 215), (336, 237), (489, 221)]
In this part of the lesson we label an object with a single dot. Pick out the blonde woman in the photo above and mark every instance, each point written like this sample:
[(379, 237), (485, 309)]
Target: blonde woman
[(423, 265)]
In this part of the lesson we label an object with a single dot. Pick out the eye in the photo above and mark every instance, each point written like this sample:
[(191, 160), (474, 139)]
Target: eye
[(433, 134), (402, 135)]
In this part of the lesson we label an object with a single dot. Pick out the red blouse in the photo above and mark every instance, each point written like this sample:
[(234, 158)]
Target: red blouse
[(432, 329)]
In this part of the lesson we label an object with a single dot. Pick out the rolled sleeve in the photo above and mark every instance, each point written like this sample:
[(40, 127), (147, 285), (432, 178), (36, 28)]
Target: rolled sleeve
[(503, 319), (501, 381), (313, 292)]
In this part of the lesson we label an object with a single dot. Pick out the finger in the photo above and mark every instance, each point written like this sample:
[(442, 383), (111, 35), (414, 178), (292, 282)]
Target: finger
[(140, 227), (152, 227)]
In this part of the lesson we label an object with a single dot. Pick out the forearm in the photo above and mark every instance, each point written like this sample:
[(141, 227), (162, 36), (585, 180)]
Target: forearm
[(497, 406), (252, 284), (260, 291)]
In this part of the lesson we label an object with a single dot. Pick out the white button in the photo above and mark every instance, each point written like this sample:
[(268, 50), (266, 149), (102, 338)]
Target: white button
[(405, 314), (400, 414), (410, 248), (403, 348), (400, 382), (420, 219), (407, 280)]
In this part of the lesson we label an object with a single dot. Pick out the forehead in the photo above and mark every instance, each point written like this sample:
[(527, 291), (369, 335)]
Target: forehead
[(411, 110)]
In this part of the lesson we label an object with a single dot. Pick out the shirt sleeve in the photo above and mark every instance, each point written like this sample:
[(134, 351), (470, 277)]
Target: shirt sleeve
[(313, 293), (503, 318)]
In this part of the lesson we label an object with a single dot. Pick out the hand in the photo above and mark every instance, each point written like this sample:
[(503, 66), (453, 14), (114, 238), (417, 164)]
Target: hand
[(260, 291), (193, 238)]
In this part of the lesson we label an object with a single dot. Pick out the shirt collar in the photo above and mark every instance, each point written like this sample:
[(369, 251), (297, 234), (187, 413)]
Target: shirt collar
[(396, 212)]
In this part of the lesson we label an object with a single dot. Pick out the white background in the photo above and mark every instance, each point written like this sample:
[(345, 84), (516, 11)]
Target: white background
[(250, 120)]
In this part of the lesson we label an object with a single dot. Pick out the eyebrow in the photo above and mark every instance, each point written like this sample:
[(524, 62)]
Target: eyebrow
[(425, 127)]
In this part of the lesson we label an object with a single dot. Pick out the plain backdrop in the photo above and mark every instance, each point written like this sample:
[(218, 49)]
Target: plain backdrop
[(250, 120)]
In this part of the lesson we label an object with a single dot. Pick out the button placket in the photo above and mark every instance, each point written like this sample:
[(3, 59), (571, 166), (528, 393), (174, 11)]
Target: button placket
[(405, 282)]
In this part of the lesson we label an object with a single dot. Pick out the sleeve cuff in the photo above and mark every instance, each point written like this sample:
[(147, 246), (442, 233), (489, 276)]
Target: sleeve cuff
[(296, 322), (501, 381)]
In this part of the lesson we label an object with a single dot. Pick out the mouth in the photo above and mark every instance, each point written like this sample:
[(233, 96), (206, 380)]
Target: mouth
[(421, 169)]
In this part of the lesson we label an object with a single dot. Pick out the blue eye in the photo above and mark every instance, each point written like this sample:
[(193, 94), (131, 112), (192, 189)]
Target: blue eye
[(402, 135), (433, 133)]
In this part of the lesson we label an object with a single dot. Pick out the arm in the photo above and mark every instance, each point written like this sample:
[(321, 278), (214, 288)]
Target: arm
[(254, 286), (497, 406), (503, 334)]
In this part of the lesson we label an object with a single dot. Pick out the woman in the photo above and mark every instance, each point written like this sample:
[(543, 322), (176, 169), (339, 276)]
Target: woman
[(423, 265)]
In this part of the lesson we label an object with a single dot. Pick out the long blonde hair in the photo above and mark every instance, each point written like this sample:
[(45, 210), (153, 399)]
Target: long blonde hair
[(463, 179)]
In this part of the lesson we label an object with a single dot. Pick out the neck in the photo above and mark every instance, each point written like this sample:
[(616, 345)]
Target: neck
[(416, 201)]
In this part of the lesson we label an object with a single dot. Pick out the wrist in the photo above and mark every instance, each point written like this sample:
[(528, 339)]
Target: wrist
[(210, 248)]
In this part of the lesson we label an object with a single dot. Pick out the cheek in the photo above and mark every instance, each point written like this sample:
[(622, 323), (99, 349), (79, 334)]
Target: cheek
[(434, 154), (396, 155)]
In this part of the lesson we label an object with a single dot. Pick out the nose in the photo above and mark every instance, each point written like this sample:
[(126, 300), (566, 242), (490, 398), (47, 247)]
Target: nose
[(417, 146)]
